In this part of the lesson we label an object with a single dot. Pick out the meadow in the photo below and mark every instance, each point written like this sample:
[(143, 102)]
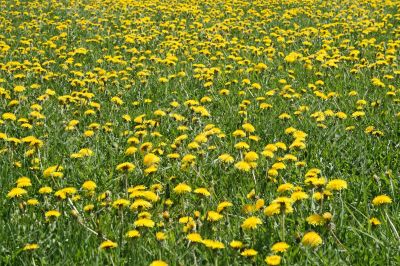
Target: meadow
[(204, 132)]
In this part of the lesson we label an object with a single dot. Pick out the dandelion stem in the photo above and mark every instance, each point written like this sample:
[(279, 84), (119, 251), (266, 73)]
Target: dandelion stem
[(81, 221), (283, 226), (255, 180), (337, 240), (126, 184), (393, 227)]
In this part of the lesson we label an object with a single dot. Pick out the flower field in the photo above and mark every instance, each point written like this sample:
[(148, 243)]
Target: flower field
[(186, 132)]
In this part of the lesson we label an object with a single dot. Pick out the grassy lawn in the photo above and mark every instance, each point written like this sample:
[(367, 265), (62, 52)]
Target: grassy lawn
[(202, 132)]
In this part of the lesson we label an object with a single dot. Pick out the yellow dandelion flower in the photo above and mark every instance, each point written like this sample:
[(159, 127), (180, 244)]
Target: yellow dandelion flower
[(315, 219), (32, 202), (108, 244), (131, 150), (89, 185), (336, 184), (25, 183), (251, 223), (285, 187), (223, 205), (52, 213), (194, 237), (248, 127), (189, 158), (125, 167), (311, 239), (132, 234), (141, 203), (151, 169), (160, 236), (299, 195), (251, 156), (242, 145), (273, 260), (202, 191), (381, 200), (182, 188), (53, 171), (279, 166), (243, 166), (268, 153), (151, 159), (158, 263), (249, 253), (236, 244), (213, 244), (279, 247), (213, 216), (119, 203), (272, 209), (9, 116), (45, 190), (88, 207), (144, 222), (32, 246), (226, 158), (239, 133), (374, 221), (16, 192)]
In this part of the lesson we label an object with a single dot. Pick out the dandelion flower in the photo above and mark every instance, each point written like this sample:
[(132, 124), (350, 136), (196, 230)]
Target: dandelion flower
[(272, 209), (16, 192), (251, 156), (194, 237), (32, 202), (243, 166), (213, 216), (273, 260), (88, 208), (285, 187), (226, 158), (381, 199), (151, 159), (242, 145), (89, 185), (132, 234), (202, 191), (251, 223), (108, 244), (140, 203), (311, 239), (131, 150), (52, 213), (32, 246), (158, 263), (374, 221), (125, 167), (160, 236), (223, 205), (336, 184), (299, 195), (144, 222), (45, 190), (236, 244), (119, 203), (182, 188), (280, 247), (213, 244), (315, 219), (248, 127), (249, 253)]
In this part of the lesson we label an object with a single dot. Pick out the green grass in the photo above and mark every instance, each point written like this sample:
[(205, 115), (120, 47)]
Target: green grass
[(232, 36)]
